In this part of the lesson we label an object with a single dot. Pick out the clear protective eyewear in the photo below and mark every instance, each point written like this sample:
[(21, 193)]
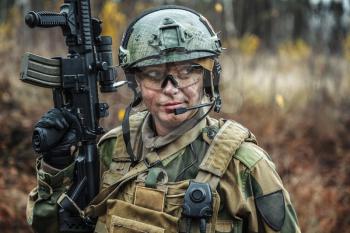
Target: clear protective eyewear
[(180, 75)]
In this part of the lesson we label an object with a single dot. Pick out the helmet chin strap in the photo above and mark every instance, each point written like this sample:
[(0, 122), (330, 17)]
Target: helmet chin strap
[(125, 124)]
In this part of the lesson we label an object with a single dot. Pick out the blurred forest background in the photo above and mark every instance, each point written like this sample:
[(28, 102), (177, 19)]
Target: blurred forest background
[(286, 76)]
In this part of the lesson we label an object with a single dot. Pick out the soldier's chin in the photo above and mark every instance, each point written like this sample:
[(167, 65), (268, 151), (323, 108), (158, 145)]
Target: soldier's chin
[(173, 119)]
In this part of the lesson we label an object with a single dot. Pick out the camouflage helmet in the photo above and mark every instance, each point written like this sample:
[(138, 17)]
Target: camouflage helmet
[(167, 34)]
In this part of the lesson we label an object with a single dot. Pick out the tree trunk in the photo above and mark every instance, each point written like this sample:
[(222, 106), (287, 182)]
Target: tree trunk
[(3, 10), (26, 40), (230, 27)]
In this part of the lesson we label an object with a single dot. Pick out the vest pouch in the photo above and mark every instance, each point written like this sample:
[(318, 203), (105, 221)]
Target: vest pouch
[(42, 210), (150, 198), (123, 225), (125, 217), (223, 226), (235, 226)]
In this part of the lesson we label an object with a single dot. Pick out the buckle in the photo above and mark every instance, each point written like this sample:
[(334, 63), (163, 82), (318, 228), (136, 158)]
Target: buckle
[(151, 160)]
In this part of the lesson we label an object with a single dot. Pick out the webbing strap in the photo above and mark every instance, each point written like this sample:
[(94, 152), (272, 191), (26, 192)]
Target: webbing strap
[(125, 124), (126, 134), (54, 181), (220, 152), (151, 159)]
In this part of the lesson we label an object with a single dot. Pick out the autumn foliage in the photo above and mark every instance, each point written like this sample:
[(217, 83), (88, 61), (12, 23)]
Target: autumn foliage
[(295, 101)]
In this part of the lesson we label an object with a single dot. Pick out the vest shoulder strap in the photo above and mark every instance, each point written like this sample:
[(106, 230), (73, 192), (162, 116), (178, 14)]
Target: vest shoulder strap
[(135, 122), (119, 151), (222, 149), (113, 133), (249, 154)]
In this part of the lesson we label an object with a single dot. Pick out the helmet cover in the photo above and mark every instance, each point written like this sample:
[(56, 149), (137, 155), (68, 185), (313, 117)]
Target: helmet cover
[(168, 34)]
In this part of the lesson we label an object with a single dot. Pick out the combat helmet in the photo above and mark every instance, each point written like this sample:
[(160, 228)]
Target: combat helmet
[(167, 34)]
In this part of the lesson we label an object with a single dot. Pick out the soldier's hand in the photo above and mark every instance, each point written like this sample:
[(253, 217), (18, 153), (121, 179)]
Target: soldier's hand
[(56, 136)]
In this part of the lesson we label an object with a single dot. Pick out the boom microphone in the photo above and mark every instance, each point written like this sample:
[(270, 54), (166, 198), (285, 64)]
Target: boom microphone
[(178, 111)]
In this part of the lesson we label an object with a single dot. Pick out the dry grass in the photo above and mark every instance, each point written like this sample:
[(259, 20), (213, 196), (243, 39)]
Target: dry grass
[(299, 110)]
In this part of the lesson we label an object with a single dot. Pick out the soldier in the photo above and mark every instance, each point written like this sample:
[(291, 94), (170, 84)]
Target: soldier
[(171, 168)]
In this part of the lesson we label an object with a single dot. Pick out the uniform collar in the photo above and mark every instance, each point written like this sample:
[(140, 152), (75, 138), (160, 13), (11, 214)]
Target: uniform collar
[(151, 141)]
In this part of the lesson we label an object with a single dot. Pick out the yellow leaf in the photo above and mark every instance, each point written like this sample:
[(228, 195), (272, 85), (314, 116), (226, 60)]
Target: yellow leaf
[(112, 19), (218, 7), (296, 50), (121, 114), (279, 100), (346, 47), (249, 44)]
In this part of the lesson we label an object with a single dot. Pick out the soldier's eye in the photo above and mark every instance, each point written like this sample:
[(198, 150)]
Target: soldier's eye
[(188, 69), (154, 74)]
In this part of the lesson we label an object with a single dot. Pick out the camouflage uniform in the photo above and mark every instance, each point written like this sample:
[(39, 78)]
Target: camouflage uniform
[(248, 195), (249, 181)]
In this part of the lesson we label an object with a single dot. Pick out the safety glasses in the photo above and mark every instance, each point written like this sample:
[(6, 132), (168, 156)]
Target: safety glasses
[(180, 75)]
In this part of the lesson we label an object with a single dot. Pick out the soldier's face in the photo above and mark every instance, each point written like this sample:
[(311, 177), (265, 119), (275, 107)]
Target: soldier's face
[(167, 87)]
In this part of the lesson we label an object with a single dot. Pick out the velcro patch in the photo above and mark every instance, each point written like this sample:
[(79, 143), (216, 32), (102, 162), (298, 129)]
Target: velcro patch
[(272, 210)]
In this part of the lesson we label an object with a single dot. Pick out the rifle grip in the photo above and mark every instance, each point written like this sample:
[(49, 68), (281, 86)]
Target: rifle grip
[(45, 19)]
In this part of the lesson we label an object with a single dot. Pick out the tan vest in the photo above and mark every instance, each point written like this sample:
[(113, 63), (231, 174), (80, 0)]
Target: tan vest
[(125, 204)]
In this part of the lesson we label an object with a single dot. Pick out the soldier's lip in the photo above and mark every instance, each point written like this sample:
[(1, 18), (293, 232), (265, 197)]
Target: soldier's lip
[(170, 104)]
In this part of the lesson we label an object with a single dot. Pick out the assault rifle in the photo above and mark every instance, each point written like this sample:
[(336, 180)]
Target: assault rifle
[(74, 81)]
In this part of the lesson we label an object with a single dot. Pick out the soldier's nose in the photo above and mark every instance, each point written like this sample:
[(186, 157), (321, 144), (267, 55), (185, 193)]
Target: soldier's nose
[(170, 78)]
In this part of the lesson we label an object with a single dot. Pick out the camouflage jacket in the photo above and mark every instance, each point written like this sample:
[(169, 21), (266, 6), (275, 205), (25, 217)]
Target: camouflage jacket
[(249, 197)]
